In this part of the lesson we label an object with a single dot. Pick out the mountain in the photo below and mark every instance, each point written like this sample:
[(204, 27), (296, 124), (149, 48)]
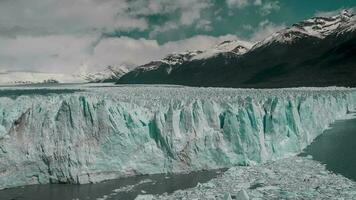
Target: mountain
[(29, 77), (174, 61), (315, 52), (168, 69), (317, 27), (110, 74)]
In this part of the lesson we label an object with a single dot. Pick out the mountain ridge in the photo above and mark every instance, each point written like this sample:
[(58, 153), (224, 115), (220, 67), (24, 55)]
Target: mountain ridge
[(315, 52)]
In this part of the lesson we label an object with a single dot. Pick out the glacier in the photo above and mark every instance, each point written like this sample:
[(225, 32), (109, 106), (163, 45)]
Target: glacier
[(100, 133)]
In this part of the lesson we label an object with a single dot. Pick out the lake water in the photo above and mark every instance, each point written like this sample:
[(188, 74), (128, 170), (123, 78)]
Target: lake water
[(337, 148), (126, 188)]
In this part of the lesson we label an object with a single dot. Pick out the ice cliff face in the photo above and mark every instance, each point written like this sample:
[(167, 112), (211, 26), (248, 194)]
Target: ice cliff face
[(105, 133)]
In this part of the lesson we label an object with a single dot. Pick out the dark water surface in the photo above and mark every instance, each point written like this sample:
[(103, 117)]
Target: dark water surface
[(114, 189), (336, 148)]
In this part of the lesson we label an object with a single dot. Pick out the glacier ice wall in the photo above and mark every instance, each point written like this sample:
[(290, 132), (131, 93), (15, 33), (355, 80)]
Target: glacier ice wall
[(107, 133)]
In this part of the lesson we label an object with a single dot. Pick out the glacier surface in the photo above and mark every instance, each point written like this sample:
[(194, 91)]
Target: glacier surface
[(102, 133)]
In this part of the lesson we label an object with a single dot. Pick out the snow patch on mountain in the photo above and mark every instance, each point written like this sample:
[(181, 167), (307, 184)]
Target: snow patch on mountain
[(233, 46), (109, 74), (179, 58)]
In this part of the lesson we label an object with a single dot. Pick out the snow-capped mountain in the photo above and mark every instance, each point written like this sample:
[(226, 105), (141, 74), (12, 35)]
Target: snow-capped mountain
[(26, 77), (179, 58), (316, 27), (316, 52), (110, 74), (171, 61), (233, 46)]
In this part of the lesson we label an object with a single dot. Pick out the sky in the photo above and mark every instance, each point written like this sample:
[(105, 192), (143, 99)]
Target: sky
[(72, 36)]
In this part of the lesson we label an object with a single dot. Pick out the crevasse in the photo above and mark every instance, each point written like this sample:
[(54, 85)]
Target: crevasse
[(107, 133)]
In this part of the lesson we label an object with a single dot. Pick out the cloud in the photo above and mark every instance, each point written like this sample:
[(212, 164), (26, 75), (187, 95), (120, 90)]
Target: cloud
[(333, 12), (269, 7), (66, 53), (53, 53), (237, 3), (43, 17), (191, 10), (264, 29), (257, 2), (243, 3), (266, 7), (157, 29), (204, 25), (190, 14)]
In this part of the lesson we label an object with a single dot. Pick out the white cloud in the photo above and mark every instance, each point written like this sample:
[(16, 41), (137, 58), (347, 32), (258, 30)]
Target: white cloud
[(237, 3), (45, 17), (264, 29), (54, 53), (247, 27), (204, 25), (257, 2), (191, 10), (67, 16), (333, 12), (327, 13), (190, 14), (268, 7), (163, 28)]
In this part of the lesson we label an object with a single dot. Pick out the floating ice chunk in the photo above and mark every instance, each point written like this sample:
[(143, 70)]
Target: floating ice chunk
[(144, 197), (209, 185), (2, 132), (242, 195), (292, 180), (105, 197), (227, 196)]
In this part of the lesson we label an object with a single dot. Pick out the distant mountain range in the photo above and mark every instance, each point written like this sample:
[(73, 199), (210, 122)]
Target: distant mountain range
[(110, 74), (320, 51), (30, 77)]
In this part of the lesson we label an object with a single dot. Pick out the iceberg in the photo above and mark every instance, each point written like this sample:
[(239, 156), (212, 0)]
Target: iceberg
[(101, 133)]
